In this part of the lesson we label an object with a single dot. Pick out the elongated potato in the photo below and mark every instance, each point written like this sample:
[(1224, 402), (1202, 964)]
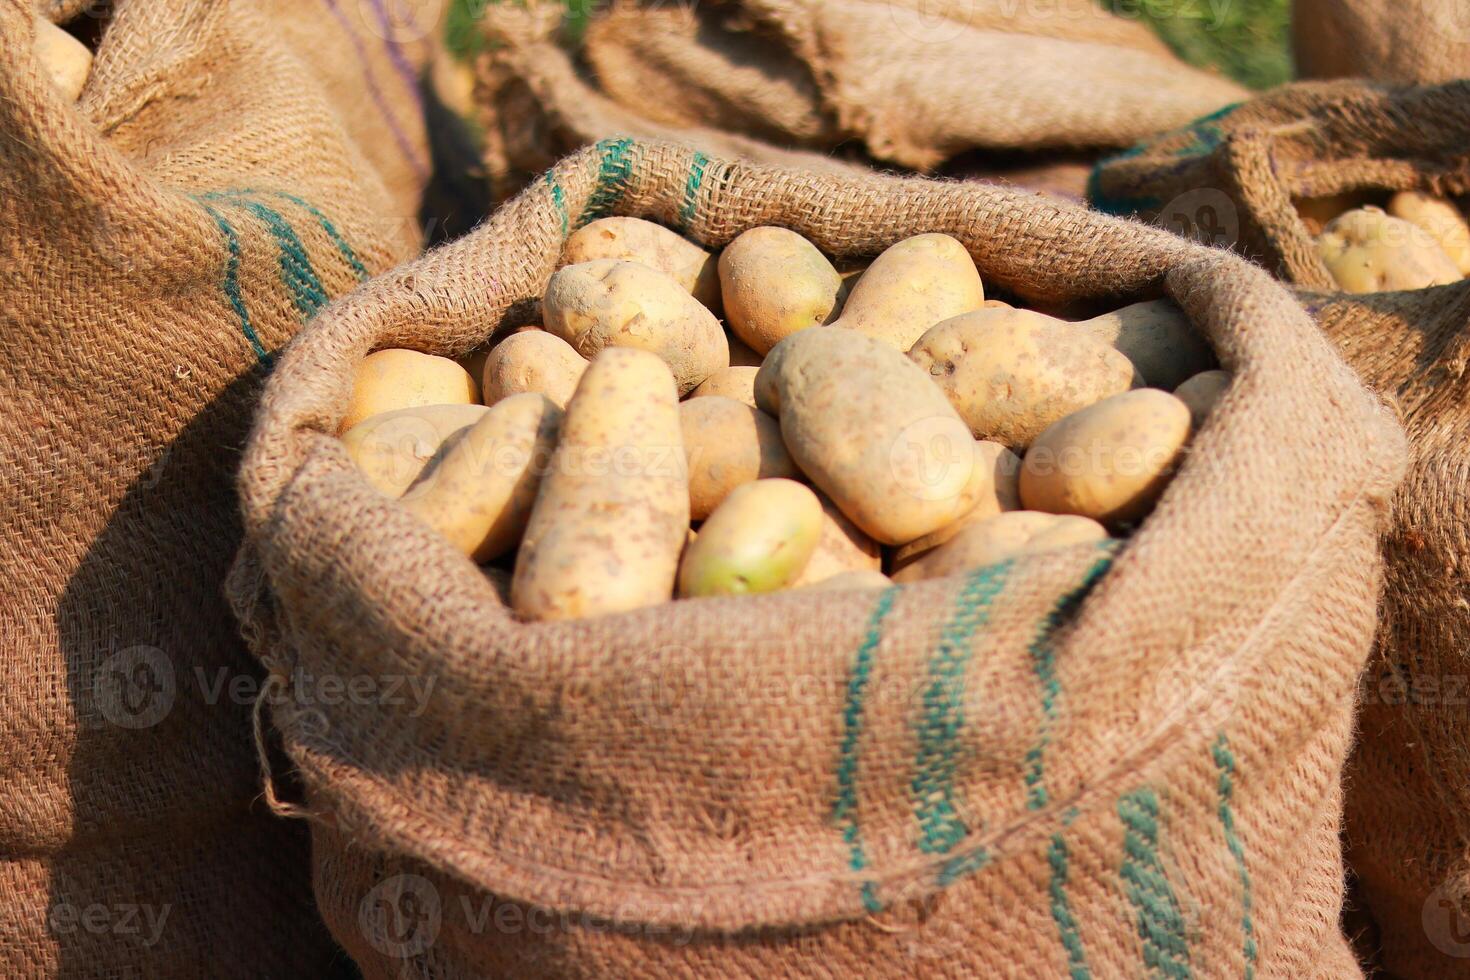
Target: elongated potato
[(653, 245), (610, 303), (1012, 373), (997, 474), (66, 60), (758, 540), (612, 514), (479, 495), (388, 380), (911, 287), (841, 548), (862, 580), (1441, 219), (773, 283), (728, 443), (1110, 461), (1368, 251), (731, 382), (532, 360), (1001, 538), (1201, 393), (1157, 338), (865, 424), (393, 448)]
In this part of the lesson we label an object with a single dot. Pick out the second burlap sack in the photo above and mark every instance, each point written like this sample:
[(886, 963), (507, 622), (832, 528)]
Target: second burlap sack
[(1405, 41), (1235, 178), (1108, 761)]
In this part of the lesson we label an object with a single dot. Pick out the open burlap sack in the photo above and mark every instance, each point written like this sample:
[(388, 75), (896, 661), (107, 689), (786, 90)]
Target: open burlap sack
[(1119, 761), (158, 240), (1408, 807), (1405, 41)]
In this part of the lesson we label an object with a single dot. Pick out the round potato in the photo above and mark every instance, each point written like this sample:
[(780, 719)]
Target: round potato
[(1110, 461), (862, 580), (611, 303), (532, 361), (393, 448), (726, 444), (911, 287), (1201, 392), (865, 424), (758, 540), (1002, 538), (636, 240), (612, 513), (1368, 251), (1441, 219), (773, 283), (842, 548), (388, 380), (479, 494), (1012, 373), (1157, 337), (731, 382), (998, 474), (66, 60)]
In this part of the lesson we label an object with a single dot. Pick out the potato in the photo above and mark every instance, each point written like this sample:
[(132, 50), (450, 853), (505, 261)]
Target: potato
[(774, 283), (532, 360), (849, 581), (393, 448), (911, 287), (611, 303), (999, 472), (636, 240), (1157, 338), (842, 548), (1001, 538), (480, 492), (1012, 373), (758, 540), (66, 61), (388, 380), (1110, 461), (865, 424), (1201, 392), (731, 382), (612, 514), (728, 443), (1441, 219), (1368, 251)]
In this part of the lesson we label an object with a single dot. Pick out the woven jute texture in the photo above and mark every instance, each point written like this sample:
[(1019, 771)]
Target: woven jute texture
[(789, 82), (1122, 760), (1408, 806), (158, 241), (1390, 40)]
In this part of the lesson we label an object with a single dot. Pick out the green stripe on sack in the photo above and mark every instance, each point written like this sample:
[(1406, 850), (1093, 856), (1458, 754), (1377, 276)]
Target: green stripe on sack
[(1225, 762), (559, 201), (232, 284), (844, 812), (1160, 920), (348, 254), (1058, 858), (612, 179), (296, 268), (691, 189)]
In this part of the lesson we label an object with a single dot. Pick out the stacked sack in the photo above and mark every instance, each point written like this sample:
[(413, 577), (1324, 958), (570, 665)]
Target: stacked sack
[(1349, 190), (175, 206), (1113, 757)]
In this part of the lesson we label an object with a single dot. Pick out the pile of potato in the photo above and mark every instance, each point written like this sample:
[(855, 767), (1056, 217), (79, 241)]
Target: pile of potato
[(840, 426), (1418, 241)]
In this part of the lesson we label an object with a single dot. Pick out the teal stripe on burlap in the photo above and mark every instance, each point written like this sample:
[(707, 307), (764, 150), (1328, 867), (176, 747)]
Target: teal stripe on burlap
[(559, 200), (1225, 762), (613, 174), (231, 284), (349, 255), (844, 812), (691, 189), (297, 272), (1160, 919), (1058, 858)]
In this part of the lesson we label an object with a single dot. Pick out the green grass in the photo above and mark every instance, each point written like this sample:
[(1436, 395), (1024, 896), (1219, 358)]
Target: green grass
[(1245, 39)]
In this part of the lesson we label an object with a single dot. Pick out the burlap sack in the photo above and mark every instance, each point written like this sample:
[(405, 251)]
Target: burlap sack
[(1408, 807), (1119, 761), (158, 240), (1407, 41)]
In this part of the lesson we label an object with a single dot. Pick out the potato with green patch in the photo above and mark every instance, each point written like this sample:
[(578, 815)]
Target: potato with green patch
[(758, 540), (997, 476), (532, 361), (653, 245), (1012, 373), (1110, 461), (1157, 337), (611, 303), (1441, 219), (1002, 538), (731, 382), (395, 378), (1201, 393), (1368, 251), (774, 283), (392, 449), (841, 548), (612, 514), (910, 287), (726, 444)]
